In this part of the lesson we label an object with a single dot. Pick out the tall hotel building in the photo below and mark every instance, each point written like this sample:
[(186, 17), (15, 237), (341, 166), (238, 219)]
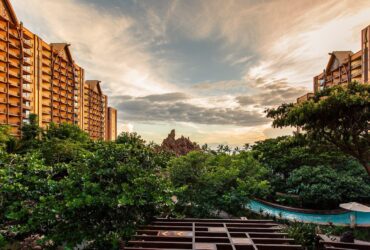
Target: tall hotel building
[(43, 79), (344, 67)]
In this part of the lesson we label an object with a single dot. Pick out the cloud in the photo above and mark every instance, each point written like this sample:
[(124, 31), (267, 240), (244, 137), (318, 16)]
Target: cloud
[(168, 97), (272, 94), (166, 108), (199, 64), (106, 44)]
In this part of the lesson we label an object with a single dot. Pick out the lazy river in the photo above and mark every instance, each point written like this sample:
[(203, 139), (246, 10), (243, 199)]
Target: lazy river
[(341, 218)]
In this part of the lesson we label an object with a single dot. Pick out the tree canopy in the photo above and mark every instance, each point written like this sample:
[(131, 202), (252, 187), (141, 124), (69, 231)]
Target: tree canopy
[(338, 115), (206, 184)]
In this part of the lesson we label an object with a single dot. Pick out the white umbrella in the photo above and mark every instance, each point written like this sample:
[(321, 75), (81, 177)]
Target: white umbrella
[(354, 206)]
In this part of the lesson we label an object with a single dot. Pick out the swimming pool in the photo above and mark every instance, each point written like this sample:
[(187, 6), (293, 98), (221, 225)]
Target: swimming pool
[(362, 219)]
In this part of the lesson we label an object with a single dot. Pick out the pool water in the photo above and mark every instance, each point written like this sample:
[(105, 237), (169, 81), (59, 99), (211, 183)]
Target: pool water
[(337, 219)]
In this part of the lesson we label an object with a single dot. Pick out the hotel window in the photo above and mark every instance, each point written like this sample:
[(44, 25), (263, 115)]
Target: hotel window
[(26, 59), (26, 86), (27, 113), (28, 77)]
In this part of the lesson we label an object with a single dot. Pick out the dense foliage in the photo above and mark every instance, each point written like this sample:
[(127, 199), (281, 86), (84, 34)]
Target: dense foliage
[(207, 184), (325, 187), (59, 188), (339, 116), (71, 190), (311, 175)]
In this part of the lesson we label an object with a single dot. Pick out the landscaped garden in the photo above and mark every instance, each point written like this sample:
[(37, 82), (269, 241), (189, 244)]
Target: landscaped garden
[(59, 188)]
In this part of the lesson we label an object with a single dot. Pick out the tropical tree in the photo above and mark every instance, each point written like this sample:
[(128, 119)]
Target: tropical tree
[(31, 133), (325, 188), (339, 116), (96, 199), (65, 131), (206, 184), (4, 136)]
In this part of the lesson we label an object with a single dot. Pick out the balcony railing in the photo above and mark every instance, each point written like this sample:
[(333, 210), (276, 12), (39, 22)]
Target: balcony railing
[(27, 43), (305, 97)]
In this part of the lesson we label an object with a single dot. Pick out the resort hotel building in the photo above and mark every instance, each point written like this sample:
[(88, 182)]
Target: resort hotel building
[(42, 78), (344, 67)]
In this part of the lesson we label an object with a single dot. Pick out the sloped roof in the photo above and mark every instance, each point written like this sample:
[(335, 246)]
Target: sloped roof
[(63, 46), (340, 56), (94, 85), (8, 8)]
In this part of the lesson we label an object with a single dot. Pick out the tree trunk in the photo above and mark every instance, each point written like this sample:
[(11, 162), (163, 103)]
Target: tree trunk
[(367, 167)]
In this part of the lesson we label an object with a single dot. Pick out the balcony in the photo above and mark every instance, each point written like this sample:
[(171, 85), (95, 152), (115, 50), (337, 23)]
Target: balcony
[(14, 113), (46, 87), (46, 95), (27, 88), (305, 97), (46, 71), (46, 56), (27, 62), (356, 73), (14, 34), (3, 38), (27, 78), (26, 107), (3, 79), (46, 79), (27, 43), (14, 82), (46, 112), (14, 74), (14, 124), (13, 64), (27, 70), (355, 65), (27, 96), (46, 63), (27, 53), (14, 104), (14, 93), (14, 45), (14, 54), (3, 58)]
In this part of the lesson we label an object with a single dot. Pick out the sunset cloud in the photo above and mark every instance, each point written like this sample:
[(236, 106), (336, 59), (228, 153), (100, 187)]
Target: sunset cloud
[(207, 68)]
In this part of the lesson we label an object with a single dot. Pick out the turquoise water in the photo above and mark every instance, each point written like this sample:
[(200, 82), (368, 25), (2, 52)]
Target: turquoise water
[(338, 219)]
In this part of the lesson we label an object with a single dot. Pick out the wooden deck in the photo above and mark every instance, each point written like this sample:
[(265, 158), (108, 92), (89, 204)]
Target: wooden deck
[(211, 234)]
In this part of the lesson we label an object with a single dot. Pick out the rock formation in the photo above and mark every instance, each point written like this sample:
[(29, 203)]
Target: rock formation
[(180, 146)]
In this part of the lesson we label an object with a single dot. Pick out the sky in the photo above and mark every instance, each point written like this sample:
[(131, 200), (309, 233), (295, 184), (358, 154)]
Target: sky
[(207, 68)]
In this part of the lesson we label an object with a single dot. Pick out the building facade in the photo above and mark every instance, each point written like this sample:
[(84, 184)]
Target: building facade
[(42, 78), (95, 110), (344, 67), (111, 124)]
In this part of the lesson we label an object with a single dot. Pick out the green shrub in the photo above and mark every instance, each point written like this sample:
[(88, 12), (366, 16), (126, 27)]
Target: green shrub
[(207, 184), (325, 187), (100, 200)]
